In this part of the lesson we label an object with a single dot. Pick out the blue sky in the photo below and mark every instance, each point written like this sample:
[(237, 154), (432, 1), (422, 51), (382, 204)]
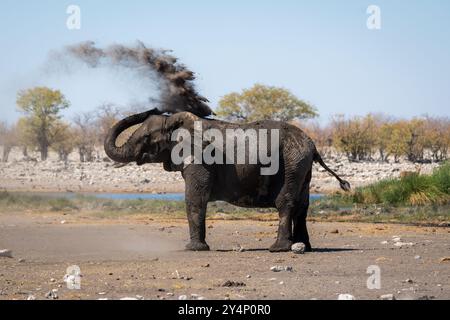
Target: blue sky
[(320, 50)]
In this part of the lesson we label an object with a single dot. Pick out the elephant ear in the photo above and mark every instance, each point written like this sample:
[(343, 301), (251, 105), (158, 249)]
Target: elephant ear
[(183, 120)]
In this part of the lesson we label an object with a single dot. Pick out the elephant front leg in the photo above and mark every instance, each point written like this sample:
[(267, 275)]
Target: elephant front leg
[(197, 228), (198, 187)]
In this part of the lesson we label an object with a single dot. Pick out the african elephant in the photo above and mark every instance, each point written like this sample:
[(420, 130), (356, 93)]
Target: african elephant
[(243, 185)]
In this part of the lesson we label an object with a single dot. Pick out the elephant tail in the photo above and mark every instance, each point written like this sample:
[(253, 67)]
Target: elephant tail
[(345, 185)]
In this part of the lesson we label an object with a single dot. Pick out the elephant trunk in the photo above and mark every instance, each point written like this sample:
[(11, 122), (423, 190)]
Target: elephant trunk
[(124, 153)]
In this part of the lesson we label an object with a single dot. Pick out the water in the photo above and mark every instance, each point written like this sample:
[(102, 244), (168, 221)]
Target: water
[(315, 196), (143, 196), (129, 196)]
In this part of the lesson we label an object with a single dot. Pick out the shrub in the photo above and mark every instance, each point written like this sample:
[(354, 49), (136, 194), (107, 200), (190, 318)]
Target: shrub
[(415, 190)]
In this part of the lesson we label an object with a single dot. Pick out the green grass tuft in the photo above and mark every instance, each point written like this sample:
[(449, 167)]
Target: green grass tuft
[(411, 190)]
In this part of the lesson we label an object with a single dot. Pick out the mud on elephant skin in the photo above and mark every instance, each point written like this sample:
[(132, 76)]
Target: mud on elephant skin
[(243, 185)]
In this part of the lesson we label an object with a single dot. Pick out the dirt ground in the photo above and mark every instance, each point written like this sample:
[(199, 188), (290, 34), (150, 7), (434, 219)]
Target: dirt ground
[(143, 258)]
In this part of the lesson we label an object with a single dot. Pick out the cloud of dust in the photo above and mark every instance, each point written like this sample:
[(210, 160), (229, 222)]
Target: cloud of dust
[(150, 77)]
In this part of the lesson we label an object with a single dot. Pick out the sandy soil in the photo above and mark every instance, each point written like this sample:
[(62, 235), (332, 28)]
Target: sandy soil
[(144, 257)]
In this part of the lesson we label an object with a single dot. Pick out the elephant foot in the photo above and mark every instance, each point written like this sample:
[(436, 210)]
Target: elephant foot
[(308, 247), (197, 246), (281, 246)]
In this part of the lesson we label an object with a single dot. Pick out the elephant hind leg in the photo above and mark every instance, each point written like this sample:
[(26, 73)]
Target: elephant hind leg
[(284, 237), (286, 203), (300, 233)]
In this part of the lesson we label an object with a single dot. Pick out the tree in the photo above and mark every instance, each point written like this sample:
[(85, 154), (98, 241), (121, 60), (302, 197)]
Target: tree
[(357, 137), (321, 135), (8, 139), (384, 135), (26, 138), (437, 137), (397, 137), (416, 143), (41, 106), (86, 135), (264, 102), (63, 141), (380, 131), (107, 115)]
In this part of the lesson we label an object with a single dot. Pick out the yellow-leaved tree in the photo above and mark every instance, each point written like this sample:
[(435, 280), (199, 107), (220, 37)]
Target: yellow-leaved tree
[(41, 107), (263, 103)]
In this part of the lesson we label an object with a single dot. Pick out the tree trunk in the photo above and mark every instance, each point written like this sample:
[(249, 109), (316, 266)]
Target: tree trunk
[(81, 153), (6, 151), (44, 153), (43, 146), (89, 156)]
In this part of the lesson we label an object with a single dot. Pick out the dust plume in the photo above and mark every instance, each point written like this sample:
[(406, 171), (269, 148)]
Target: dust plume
[(173, 79)]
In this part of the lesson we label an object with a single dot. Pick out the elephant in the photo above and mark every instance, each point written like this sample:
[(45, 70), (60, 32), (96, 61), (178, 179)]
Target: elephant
[(240, 184)]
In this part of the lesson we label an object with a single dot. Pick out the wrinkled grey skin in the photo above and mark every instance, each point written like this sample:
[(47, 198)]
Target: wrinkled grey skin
[(241, 185)]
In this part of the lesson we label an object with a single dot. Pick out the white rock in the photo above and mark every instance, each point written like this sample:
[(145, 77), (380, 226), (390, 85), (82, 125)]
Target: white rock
[(31, 297), (128, 298), (346, 296), (53, 294), (298, 248), (197, 296), (6, 253), (70, 279), (182, 297), (403, 244), (281, 268), (389, 296)]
